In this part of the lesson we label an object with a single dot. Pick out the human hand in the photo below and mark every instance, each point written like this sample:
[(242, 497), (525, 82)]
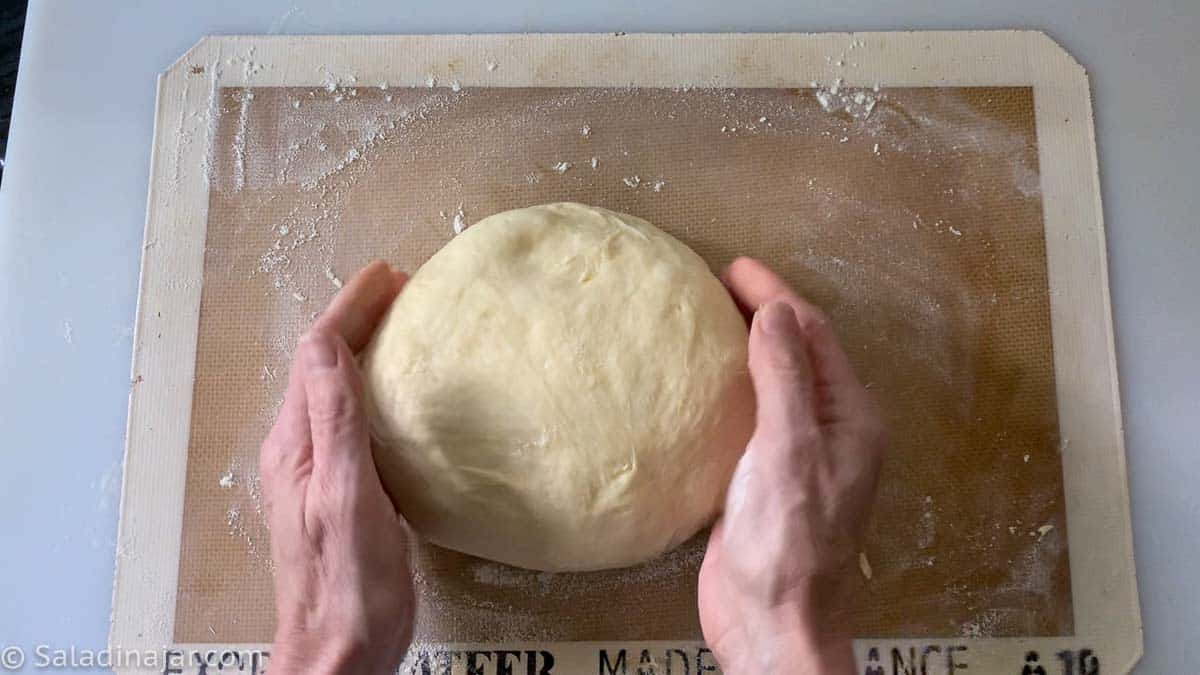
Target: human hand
[(343, 587), (799, 497)]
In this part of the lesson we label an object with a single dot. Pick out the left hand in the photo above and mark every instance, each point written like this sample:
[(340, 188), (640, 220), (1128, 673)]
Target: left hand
[(343, 586)]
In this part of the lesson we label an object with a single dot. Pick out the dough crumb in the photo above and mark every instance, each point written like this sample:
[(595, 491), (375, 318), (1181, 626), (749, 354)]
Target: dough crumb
[(585, 131), (632, 181), (561, 167), (864, 566)]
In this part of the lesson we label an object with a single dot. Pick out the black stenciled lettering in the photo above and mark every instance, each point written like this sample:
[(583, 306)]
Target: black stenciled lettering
[(474, 667), (952, 665), (683, 659), (1032, 666), (1068, 661), (607, 667), (503, 667), (925, 652), (546, 659), (646, 664), (420, 664), (874, 667), (1089, 663), (899, 667), (701, 666)]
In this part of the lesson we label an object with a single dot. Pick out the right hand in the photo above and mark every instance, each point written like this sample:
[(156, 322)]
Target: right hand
[(799, 497)]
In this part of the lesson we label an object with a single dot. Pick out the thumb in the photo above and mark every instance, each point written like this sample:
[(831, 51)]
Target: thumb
[(782, 374), (333, 387)]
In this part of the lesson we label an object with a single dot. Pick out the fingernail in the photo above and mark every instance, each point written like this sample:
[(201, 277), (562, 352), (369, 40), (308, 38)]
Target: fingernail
[(321, 352), (778, 318)]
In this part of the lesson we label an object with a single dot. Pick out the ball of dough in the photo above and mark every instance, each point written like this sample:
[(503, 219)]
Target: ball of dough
[(560, 388)]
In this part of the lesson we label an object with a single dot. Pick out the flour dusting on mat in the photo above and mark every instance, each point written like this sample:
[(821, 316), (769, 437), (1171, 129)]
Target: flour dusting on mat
[(859, 103), (326, 178), (476, 592)]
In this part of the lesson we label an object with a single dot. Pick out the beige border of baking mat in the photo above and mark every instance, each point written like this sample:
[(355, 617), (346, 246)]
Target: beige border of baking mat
[(1104, 590)]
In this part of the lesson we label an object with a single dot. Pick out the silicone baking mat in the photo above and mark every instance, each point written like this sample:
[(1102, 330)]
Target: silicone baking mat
[(914, 213)]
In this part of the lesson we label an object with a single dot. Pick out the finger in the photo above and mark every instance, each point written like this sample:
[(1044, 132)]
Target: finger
[(779, 367), (333, 386), (285, 459), (288, 446), (753, 285), (357, 309)]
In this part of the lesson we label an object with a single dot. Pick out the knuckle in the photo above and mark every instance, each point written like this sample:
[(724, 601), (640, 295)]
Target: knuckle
[(308, 340), (810, 317), (333, 407)]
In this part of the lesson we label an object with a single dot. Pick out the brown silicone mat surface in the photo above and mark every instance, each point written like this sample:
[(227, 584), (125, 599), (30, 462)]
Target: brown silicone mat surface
[(913, 216)]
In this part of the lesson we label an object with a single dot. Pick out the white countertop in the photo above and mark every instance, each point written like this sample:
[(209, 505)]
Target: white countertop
[(72, 208)]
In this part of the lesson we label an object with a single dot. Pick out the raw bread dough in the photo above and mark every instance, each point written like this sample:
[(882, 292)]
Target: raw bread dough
[(560, 388)]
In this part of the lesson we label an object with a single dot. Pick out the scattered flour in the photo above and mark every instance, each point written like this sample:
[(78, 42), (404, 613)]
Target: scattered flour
[(460, 220), (856, 102), (927, 528), (333, 278), (864, 566)]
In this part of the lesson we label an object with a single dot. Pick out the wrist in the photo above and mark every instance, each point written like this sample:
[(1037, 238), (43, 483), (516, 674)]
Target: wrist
[(803, 633), (800, 652)]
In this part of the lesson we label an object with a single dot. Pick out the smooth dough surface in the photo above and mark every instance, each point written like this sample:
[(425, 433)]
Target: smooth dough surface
[(561, 387)]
